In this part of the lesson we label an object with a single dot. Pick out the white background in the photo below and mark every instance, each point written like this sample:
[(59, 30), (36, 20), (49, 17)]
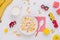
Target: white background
[(6, 19)]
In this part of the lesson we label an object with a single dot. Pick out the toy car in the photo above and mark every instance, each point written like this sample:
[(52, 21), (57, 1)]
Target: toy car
[(53, 20), (44, 7), (12, 24)]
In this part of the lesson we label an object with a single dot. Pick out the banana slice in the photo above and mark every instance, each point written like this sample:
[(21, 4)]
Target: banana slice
[(1, 2), (3, 5)]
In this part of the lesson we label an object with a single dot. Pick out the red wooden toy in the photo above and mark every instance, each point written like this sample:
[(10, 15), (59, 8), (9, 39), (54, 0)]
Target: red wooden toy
[(58, 11), (42, 6), (12, 24), (55, 23), (46, 8), (56, 4)]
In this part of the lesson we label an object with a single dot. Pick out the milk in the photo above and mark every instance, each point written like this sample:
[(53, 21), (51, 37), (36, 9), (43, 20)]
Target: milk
[(15, 11)]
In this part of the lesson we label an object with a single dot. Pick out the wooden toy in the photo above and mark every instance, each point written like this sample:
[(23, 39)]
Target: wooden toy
[(3, 5), (46, 31), (5, 30), (51, 16), (42, 6), (56, 37), (53, 20), (55, 23), (12, 24), (58, 11), (56, 4), (45, 7)]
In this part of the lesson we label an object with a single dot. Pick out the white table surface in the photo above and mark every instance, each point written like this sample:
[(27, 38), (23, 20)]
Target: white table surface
[(6, 19)]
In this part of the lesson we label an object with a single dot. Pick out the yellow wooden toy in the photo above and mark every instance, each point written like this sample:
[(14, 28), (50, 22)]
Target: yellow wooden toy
[(5, 30), (51, 16), (46, 31), (3, 5)]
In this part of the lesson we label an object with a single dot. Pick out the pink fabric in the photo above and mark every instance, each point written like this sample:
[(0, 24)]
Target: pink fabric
[(40, 28)]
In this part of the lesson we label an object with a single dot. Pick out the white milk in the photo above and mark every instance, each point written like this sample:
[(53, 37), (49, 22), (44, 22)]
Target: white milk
[(15, 11)]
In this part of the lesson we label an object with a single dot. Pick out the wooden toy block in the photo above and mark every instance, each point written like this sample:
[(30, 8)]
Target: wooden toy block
[(55, 23), (58, 11), (5, 30), (46, 31), (51, 16), (53, 20), (56, 4)]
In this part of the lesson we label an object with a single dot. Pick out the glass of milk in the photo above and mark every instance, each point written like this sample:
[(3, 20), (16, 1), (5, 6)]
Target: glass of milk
[(15, 12)]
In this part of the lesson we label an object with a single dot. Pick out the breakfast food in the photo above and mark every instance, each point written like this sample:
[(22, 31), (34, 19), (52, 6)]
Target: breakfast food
[(1, 2), (28, 24), (28, 10), (3, 5), (56, 37)]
